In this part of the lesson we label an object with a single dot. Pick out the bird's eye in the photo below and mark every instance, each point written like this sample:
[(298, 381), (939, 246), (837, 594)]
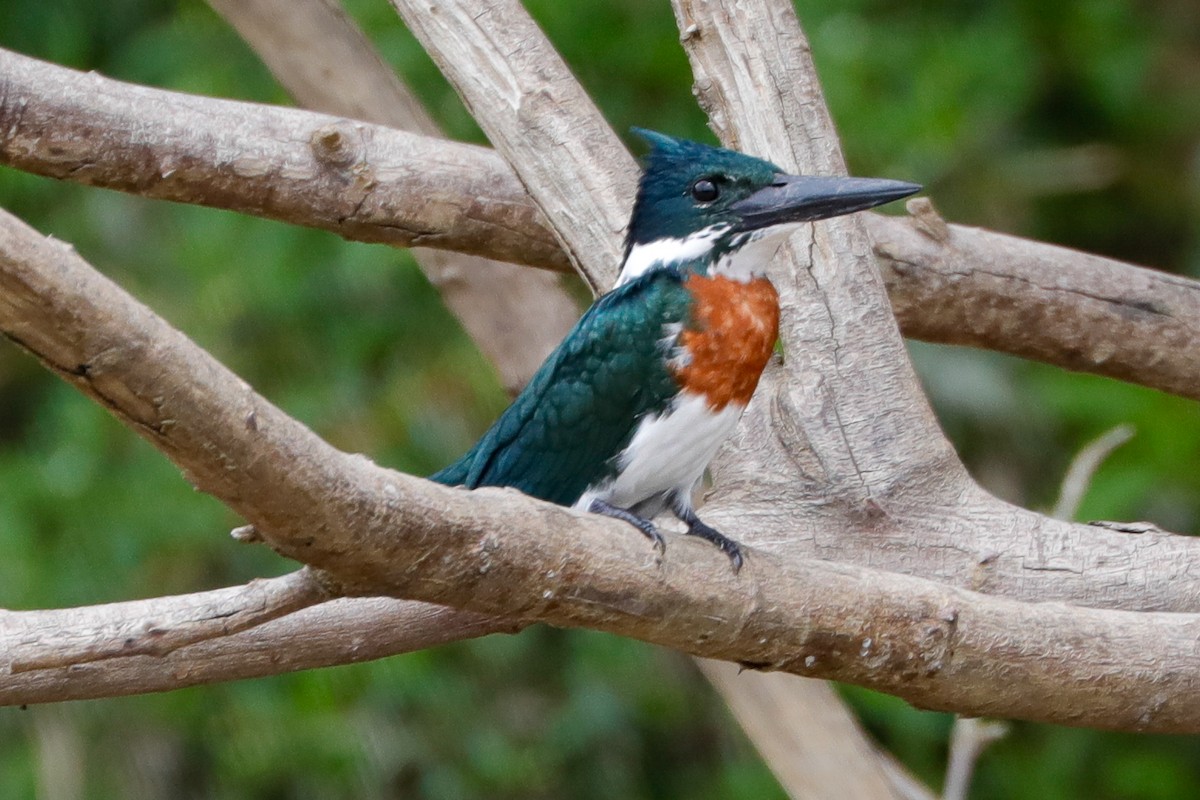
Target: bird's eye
[(705, 190)]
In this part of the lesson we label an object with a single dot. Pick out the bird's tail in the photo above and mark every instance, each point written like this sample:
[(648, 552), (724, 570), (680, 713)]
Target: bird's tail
[(455, 474)]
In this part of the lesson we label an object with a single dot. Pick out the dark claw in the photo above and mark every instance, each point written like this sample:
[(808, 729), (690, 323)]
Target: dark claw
[(708, 533), (727, 545), (625, 515)]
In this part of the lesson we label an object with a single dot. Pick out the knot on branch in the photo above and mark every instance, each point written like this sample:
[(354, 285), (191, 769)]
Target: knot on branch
[(921, 651), (336, 144)]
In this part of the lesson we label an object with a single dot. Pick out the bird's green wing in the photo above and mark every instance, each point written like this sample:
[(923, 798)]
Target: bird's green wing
[(583, 405)]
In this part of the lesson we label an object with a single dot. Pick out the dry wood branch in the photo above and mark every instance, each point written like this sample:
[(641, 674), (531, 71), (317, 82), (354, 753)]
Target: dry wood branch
[(554, 168), (524, 97), (968, 740), (958, 285), (976, 549), (865, 417), (343, 631), (840, 439), (42, 640), (344, 51), (1084, 466), (284, 164), (936, 286), (491, 307), (805, 733), (317, 52), (499, 553)]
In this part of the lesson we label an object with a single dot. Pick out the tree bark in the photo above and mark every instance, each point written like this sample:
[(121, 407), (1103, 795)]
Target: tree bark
[(285, 164), (530, 106), (343, 631), (811, 741), (967, 286)]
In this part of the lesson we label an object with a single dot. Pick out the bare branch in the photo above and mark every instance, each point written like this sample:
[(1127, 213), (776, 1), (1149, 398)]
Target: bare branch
[(40, 640), (838, 455), (285, 164), (970, 737), (937, 287), (532, 109), (499, 553), (317, 52), (958, 285), (279, 29), (805, 733), (340, 631), (838, 324), (975, 550), (502, 554), (1084, 466)]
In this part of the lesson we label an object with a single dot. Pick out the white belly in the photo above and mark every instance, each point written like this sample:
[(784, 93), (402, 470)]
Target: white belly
[(668, 452)]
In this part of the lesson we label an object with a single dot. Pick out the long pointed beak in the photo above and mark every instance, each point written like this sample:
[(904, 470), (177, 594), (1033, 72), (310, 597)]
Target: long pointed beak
[(802, 198)]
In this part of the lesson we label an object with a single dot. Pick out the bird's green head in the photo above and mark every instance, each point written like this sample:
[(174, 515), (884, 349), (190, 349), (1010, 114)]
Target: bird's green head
[(697, 203)]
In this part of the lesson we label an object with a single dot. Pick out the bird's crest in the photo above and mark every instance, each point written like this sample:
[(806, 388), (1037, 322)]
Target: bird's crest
[(687, 187)]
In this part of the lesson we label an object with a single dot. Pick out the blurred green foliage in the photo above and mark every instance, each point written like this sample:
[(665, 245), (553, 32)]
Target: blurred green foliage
[(1076, 122)]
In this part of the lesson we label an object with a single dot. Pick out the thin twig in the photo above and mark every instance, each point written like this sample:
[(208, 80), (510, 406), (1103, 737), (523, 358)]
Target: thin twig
[(968, 739), (1084, 466)]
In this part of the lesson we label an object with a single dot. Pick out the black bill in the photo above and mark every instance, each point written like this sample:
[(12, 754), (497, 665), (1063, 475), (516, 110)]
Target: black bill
[(800, 198)]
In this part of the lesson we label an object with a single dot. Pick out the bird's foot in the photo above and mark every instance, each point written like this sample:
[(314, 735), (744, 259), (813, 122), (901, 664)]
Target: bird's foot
[(698, 528), (625, 515)]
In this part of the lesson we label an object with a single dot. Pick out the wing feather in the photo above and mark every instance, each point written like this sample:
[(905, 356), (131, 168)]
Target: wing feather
[(564, 431)]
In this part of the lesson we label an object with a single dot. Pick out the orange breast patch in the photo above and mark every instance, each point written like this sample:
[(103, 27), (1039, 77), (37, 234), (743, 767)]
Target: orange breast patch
[(729, 339)]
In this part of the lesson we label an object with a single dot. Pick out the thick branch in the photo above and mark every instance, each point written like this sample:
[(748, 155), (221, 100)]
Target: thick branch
[(837, 455), (284, 164), (491, 306), (581, 148), (496, 552), (848, 416), (937, 286), (958, 285)]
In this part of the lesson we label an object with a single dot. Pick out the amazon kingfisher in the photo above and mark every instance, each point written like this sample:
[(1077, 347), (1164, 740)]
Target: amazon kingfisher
[(624, 416)]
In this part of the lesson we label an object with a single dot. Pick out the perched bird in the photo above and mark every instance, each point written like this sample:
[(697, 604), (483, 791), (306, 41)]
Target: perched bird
[(624, 416)]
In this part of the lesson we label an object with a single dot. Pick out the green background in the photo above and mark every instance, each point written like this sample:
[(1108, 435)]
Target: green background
[(1072, 122)]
